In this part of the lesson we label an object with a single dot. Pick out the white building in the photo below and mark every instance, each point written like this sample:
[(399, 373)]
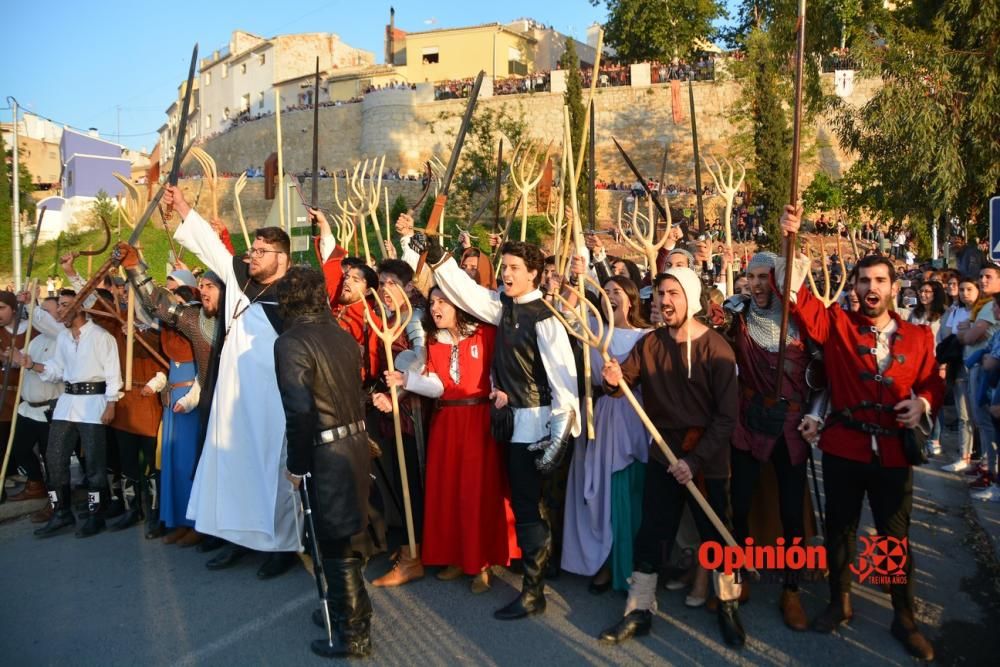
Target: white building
[(240, 79)]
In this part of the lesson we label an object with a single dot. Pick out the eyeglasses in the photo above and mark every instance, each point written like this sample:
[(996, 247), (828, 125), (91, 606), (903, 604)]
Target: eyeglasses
[(260, 252)]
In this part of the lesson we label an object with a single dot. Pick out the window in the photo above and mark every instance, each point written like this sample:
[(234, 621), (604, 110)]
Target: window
[(208, 78), (208, 121), (225, 70), (514, 63), (245, 103), (262, 59), (430, 55), (69, 179), (260, 100), (243, 68), (225, 114)]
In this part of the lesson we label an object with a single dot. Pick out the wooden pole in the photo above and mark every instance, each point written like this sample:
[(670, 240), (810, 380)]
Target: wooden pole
[(129, 338), (31, 287), (793, 198), (281, 163)]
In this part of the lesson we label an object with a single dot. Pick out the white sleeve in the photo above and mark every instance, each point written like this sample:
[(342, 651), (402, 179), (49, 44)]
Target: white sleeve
[(157, 383), (429, 385), (408, 254), (46, 324), (327, 244), (467, 294), (198, 236), (189, 401), (107, 348), (560, 366), (78, 284), (54, 367)]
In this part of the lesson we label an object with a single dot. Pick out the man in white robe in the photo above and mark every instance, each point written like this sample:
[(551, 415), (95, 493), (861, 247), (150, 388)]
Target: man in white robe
[(240, 493)]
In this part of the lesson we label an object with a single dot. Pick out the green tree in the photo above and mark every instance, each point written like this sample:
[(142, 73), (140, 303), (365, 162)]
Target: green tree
[(659, 30), (928, 136), (573, 98), (823, 194)]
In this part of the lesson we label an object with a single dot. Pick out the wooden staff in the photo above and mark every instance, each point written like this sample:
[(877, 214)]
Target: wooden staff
[(525, 173), (241, 183), (110, 312), (129, 338), (281, 168), (793, 197), (31, 287), (596, 337), (388, 334)]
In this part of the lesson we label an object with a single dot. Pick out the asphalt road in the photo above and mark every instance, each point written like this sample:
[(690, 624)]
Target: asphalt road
[(117, 599)]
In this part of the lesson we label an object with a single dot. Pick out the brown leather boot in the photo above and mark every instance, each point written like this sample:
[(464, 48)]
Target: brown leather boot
[(792, 612), (191, 538), (175, 535), (32, 491), (837, 613), (904, 628), (43, 515), (405, 569)]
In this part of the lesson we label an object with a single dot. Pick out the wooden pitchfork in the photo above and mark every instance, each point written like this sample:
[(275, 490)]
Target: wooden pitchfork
[(728, 188), (643, 237), (527, 166), (210, 174), (241, 183), (825, 296), (369, 197), (598, 336), (388, 334)]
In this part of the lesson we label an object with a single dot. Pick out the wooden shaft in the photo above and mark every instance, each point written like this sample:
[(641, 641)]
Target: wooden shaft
[(157, 357), (20, 382), (400, 454), (130, 338), (281, 168)]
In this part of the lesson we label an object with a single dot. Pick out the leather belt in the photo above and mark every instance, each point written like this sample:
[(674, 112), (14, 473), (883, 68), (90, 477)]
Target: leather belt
[(85, 388), (749, 394), (339, 432), (39, 404), (454, 403), (179, 385)]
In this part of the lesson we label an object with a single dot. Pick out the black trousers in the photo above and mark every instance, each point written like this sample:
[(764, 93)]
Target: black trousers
[(890, 496), (62, 440), (663, 501), (791, 494), (28, 434), (130, 448), (525, 483)]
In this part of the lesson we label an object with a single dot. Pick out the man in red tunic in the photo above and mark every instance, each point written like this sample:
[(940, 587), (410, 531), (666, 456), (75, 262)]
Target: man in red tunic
[(883, 379)]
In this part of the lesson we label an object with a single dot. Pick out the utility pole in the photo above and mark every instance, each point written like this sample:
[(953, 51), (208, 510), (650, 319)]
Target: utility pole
[(16, 218), (118, 124)]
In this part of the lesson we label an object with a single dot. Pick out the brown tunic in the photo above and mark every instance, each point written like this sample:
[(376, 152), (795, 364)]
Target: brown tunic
[(6, 340), (706, 402)]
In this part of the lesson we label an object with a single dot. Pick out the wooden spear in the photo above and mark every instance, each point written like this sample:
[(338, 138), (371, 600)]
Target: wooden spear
[(793, 197), (31, 287)]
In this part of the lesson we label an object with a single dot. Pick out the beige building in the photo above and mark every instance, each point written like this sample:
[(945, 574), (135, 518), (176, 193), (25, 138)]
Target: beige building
[(459, 53), (38, 148)]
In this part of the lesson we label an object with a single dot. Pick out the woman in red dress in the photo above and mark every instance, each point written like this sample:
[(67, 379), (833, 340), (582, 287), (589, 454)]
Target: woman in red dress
[(468, 522)]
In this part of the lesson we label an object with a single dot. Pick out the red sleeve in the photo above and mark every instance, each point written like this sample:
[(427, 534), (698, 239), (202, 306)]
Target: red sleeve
[(333, 271), (812, 316), (928, 384), (227, 241)]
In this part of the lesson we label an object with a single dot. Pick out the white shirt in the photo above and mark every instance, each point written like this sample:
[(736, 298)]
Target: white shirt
[(93, 357), (34, 389), (530, 424)]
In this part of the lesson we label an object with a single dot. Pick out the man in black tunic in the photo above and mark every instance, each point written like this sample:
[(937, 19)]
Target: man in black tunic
[(318, 365)]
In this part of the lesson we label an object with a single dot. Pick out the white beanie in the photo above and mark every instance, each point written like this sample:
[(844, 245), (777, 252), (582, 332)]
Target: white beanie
[(691, 285)]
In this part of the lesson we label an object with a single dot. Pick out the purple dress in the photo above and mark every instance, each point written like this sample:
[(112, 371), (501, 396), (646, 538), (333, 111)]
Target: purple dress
[(592, 519)]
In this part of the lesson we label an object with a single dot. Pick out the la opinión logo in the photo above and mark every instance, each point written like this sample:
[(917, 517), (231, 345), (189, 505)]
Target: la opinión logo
[(795, 556), (882, 560)]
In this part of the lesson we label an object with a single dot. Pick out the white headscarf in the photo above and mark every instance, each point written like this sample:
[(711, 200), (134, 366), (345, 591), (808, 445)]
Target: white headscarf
[(691, 285)]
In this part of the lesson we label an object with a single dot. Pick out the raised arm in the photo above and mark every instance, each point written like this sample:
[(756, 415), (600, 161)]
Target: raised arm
[(197, 235), (466, 293)]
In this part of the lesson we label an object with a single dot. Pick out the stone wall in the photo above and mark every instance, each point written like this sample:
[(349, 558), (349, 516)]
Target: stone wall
[(407, 128)]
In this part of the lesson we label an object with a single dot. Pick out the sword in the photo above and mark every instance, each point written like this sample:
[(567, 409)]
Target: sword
[(645, 186), (317, 558), (697, 162), (179, 152)]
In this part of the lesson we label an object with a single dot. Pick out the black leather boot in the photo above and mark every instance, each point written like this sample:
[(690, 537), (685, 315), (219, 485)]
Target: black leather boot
[(535, 541), (116, 505), (730, 625), (151, 506), (350, 611), (837, 613), (904, 628), (95, 519), (62, 513), (634, 624), (276, 564), (133, 510)]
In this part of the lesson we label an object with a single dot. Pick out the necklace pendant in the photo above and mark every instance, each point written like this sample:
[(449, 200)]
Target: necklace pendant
[(517, 325)]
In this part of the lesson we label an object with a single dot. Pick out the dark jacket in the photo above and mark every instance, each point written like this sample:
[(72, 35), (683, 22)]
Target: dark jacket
[(318, 365)]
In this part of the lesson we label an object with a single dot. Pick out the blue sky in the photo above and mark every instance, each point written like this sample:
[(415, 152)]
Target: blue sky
[(77, 62)]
